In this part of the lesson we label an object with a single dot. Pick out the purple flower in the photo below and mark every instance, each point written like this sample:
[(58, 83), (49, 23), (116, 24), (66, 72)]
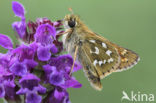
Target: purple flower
[(4, 60), (32, 97), (29, 81), (30, 63), (43, 53), (54, 49), (20, 26), (60, 78), (5, 42), (45, 34), (18, 9), (35, 69), (2, 91), (18, 69), (6, 76), (9, 89), (48, 70), (56, 78), (59, 95), (71, 83), (64, 61), (24, 52)]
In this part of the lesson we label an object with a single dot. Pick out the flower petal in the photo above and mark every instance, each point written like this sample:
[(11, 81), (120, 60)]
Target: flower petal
[(71, 83), (59, 95), (8, 76), (45, 34), (2, 91), (29, 81), (22, 91), (24, 52), (20, 28), (54, 49), (43, 53), (56, 78), (40, 89), (5, 59), (34, 46), (33, 98), (61, 62), (18, 68), (77, 66), (58, 23), (18, 9), (5, 42), (30, 63), (48, 70), (10, 89)]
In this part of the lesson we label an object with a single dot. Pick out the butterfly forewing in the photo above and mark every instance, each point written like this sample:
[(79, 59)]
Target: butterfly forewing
[(103, 56), (99, 59)]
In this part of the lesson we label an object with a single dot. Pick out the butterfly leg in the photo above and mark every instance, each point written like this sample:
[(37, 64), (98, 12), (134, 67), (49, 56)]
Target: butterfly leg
[(75, 54), (68, 31)]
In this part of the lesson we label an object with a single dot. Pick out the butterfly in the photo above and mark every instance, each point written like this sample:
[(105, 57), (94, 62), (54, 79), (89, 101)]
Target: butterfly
[(98, 56)]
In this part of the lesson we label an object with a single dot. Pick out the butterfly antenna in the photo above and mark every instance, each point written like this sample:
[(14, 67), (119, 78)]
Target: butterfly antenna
[(71, 10)]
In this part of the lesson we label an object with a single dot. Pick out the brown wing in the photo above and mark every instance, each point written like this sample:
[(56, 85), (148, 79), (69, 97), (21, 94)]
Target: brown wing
[(128, 58), (99, 59), (89, 70)]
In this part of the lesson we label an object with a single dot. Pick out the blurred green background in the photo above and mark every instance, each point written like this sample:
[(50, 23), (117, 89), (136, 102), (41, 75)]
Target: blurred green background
[(129, 23)]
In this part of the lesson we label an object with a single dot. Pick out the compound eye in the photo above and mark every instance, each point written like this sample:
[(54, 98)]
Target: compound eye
[(71, 23)]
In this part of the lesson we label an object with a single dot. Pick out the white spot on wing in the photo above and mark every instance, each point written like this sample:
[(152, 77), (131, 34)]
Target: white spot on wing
[(110, 60), (100, 63), (104, 61), (93, 41), (96, 50), (104, 45), (95, 62), (108, 52)]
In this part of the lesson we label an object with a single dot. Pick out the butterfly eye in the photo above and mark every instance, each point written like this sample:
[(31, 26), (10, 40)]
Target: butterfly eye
[(71, 23)]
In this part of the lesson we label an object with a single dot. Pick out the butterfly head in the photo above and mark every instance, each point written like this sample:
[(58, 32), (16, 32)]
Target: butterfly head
[(72, 21)]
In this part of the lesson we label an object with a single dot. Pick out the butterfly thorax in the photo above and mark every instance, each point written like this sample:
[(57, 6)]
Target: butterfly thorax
[(70, 40), (75, 35)]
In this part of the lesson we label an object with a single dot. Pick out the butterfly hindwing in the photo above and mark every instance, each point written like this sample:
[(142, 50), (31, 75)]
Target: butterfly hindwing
[(89, 70), (128, 58)]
